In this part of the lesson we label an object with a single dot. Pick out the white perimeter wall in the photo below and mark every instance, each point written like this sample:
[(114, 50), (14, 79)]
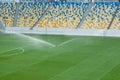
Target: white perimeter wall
[(64, 31)]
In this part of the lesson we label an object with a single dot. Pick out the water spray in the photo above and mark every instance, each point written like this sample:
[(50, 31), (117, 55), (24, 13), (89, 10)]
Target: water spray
[(36, 40), (66, 42)]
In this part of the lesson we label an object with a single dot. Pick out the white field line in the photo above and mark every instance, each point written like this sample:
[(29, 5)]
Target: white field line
[(8, 50), (66, 42), (4, 75), (20, 48)]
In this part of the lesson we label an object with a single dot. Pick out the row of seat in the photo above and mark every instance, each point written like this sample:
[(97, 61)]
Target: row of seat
[(61, 15), (101, 16)]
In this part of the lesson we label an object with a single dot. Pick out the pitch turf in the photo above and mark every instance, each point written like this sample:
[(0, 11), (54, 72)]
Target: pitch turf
[(59, 58)]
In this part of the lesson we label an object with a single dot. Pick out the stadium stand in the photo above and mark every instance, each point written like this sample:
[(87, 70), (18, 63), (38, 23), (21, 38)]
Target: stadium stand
[(64, 15), (100, 16), (116, 22), (7, 10), (61, 15), (29, 12)]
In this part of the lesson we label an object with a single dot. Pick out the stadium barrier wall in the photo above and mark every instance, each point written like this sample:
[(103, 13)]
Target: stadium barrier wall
[(64, 31)]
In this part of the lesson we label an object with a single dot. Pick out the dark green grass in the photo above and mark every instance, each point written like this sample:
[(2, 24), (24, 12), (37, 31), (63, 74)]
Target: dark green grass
[(81, 58)]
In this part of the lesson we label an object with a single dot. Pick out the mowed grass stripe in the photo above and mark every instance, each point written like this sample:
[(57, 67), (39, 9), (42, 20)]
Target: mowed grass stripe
[(38, 46), (86, 58), (39, 67), (114, 74), (91, 68), (25, 60), (37, 63)]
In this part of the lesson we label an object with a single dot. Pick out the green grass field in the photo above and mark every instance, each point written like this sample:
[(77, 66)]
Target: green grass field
[(43, 57)]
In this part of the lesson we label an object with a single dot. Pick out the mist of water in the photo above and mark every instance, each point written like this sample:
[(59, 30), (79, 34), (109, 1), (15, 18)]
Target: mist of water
[(66, 42), (35, 40)]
